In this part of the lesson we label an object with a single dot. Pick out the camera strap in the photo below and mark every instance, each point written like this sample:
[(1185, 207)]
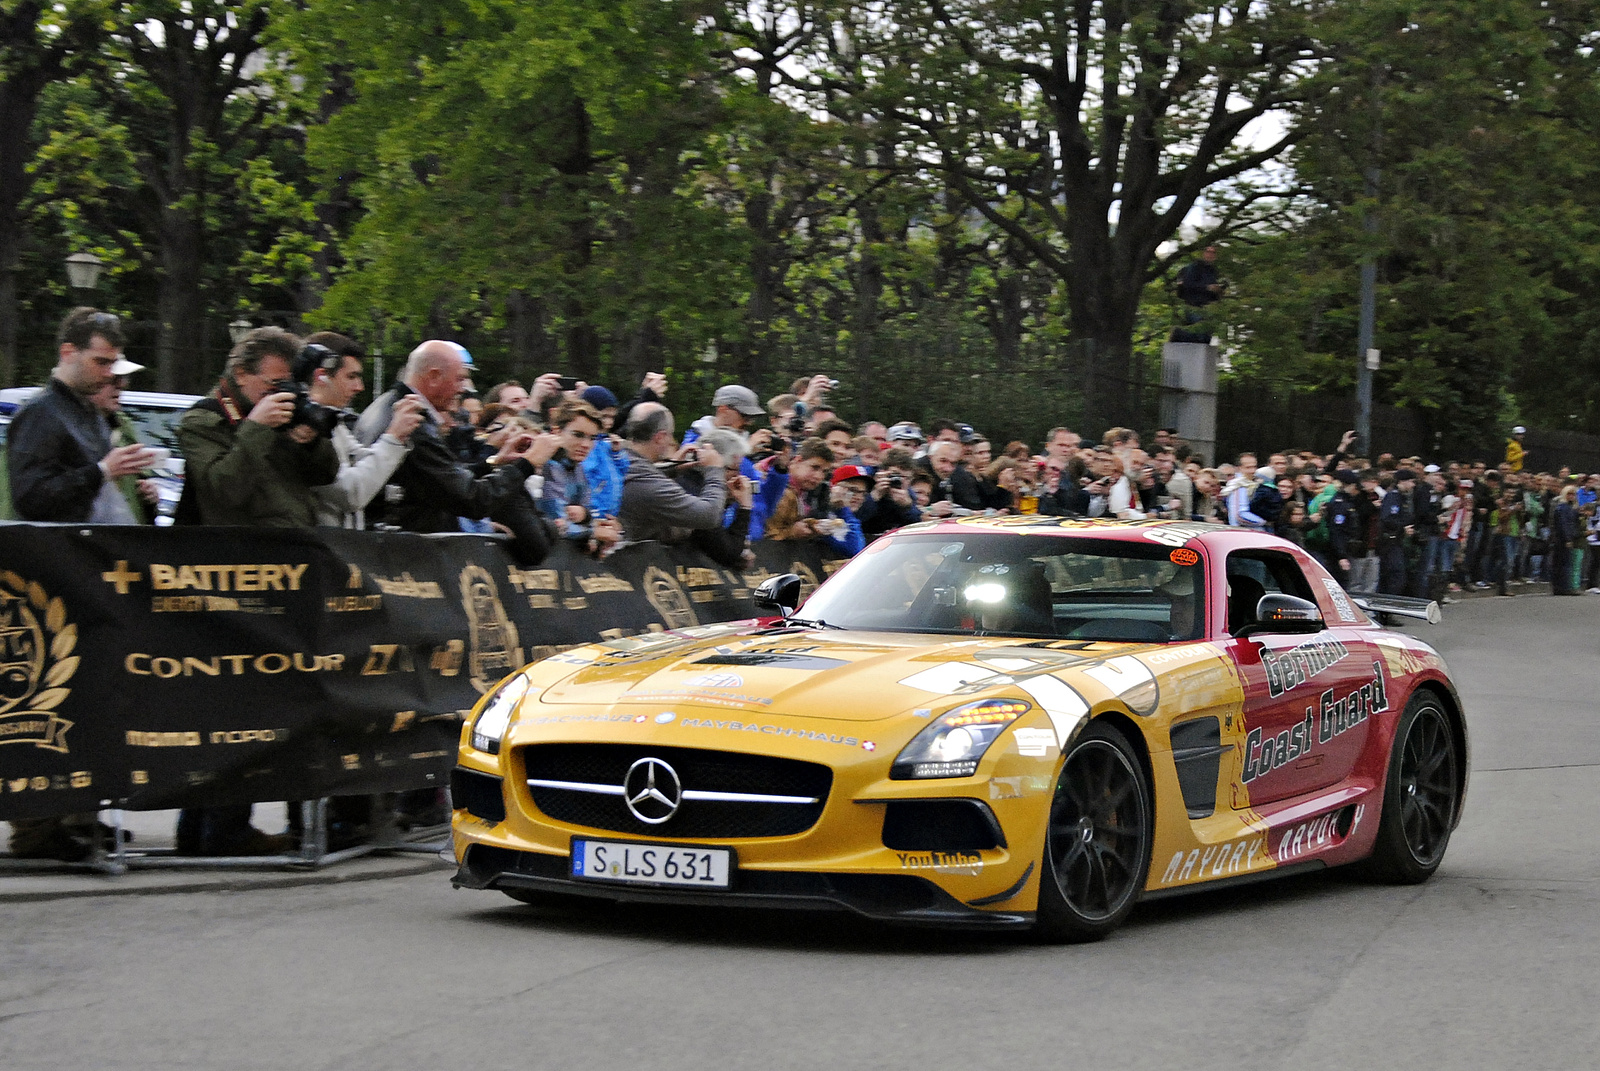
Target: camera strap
[(224, 403)]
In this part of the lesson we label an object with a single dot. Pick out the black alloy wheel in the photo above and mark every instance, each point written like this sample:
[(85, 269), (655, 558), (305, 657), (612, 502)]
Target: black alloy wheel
[(1097, 845), (1420, 797)]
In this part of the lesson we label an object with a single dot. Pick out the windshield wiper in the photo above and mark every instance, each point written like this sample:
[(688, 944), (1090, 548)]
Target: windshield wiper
[(804, 623)]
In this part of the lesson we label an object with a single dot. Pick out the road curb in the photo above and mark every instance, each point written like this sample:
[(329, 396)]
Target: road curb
[(33, 888)]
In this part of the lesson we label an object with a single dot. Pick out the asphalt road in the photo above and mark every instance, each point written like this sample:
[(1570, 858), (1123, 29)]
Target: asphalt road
[(1494, 963)]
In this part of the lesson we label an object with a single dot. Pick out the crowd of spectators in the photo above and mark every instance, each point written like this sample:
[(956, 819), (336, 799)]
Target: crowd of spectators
[(275, 445), (559, 459)]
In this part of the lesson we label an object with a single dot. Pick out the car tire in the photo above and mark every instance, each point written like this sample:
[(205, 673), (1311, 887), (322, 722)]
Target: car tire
[(1096, 853), (1420, 796)]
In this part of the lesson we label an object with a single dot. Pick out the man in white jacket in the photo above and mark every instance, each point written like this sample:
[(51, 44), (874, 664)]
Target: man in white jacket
[(1238, 494), (334, 381)]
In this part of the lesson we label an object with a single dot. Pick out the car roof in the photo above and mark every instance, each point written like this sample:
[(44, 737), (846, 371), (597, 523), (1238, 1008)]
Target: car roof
[(1174, 532), (12, 399)]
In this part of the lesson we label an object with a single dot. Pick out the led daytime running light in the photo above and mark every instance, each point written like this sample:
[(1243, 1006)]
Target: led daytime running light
[(990, 713)]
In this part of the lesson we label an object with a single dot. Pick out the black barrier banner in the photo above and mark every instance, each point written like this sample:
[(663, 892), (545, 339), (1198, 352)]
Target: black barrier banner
[(195, 666)]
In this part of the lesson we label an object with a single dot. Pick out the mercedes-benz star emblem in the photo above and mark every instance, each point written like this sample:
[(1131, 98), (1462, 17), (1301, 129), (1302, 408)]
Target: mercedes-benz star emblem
[(652, 791)]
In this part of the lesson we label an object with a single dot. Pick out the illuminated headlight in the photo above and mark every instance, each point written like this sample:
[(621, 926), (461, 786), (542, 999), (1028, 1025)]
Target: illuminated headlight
[(496, 714), (952, 745)]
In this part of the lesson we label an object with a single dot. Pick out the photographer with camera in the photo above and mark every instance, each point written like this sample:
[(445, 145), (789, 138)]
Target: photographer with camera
[(431, 489), (654, 504), (330, 366), (255, 448), (889, 505)]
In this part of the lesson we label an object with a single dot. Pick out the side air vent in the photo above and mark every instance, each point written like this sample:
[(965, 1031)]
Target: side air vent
[(1197, 751)]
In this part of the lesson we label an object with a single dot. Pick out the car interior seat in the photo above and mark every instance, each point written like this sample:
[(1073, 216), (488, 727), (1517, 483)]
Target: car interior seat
[(1244, 593)]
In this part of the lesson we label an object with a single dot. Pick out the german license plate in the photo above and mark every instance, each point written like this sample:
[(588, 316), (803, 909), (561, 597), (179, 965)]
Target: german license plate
[(650, 864)]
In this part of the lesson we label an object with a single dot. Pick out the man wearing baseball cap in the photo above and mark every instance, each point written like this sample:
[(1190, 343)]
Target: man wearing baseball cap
[(905, 433), (734, 407)]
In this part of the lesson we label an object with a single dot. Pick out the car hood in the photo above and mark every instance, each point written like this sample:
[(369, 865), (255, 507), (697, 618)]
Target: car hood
[(824, 674)]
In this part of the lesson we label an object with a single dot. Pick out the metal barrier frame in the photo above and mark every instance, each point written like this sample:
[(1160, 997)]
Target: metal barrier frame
[(386, 838)]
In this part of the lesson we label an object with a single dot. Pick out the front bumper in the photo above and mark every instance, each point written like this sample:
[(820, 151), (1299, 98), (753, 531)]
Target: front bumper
[(901, 898)]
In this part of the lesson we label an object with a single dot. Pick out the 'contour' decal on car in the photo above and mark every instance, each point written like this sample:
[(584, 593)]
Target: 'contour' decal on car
[(1035, 742)]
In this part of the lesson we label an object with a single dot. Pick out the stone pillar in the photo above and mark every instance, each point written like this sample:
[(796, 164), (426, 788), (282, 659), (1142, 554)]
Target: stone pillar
[(1189, 394)]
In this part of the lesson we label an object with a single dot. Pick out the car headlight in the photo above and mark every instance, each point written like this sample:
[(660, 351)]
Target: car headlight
[(496, 714), (952, 745)]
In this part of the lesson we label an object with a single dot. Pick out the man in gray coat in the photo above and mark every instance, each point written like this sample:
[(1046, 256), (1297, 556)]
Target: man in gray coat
[(654, 505)]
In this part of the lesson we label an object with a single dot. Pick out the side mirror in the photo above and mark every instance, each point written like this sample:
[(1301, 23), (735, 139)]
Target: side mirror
[(1285, 614), (779, 594)]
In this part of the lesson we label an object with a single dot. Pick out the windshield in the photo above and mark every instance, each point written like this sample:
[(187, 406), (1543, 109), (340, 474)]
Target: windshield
[(1017, 585)]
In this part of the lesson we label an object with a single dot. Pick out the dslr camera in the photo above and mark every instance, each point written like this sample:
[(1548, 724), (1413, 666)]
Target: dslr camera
[(320, 418)]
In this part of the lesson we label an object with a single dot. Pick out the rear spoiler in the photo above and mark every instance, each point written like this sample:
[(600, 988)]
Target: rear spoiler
[(1381, 606)]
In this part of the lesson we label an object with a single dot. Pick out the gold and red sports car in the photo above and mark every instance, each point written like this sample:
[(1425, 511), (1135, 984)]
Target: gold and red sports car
[(1024, 721)]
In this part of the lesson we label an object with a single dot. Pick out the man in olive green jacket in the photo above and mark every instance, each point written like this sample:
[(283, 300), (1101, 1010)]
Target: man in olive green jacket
[(244, 464), (247, 464)]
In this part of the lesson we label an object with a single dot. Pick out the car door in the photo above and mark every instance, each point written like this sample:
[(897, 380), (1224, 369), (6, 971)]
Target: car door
[(1307, 698)]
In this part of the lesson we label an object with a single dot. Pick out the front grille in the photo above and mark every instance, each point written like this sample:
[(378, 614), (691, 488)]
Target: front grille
[(697, 770)]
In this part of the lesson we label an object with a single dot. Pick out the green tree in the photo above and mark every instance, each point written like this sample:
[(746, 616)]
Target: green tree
[(1088, 134), (526, 162), (1474, 117), (40, 43)]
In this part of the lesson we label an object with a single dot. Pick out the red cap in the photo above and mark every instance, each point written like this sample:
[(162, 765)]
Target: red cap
[(851, 472)]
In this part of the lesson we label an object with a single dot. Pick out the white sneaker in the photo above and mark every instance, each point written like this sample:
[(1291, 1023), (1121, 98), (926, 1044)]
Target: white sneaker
[(1594, 591)]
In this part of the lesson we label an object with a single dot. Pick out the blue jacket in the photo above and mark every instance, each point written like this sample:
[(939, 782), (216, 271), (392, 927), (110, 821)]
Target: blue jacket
[(565, 486), (603, 471), (851, 542)]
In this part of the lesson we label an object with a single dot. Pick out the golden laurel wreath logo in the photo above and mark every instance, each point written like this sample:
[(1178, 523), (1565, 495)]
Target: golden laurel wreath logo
[(667, 597), (36, 663), (492, 637)]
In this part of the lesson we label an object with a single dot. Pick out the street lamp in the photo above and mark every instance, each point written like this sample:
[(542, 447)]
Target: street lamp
[(238, 329), (83, 270)]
